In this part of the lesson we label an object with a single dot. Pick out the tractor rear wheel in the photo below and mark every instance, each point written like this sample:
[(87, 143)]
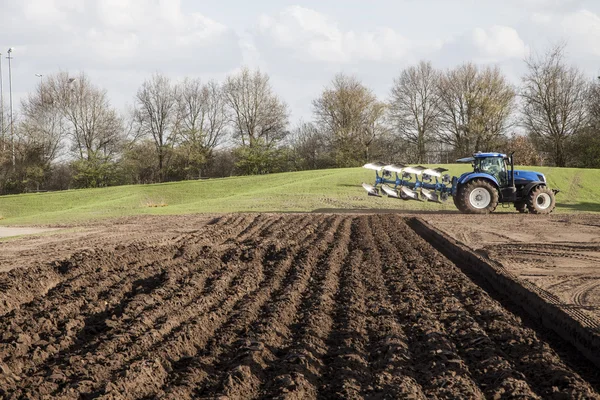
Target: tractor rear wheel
[(457, 200), (541, 200), (478, 197), (521, 207)]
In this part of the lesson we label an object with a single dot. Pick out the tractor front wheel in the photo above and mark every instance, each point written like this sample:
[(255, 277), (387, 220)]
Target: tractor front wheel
[(541, 200), (478, 197)]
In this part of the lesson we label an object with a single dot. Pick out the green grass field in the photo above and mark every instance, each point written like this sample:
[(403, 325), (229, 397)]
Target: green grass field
[(286, 192)]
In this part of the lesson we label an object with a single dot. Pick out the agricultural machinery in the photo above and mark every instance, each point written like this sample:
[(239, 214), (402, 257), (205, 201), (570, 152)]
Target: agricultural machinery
[(493, 180)]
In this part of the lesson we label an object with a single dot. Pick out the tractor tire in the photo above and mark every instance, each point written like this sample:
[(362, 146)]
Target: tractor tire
[(479, 196), (456, 200), (521, 207), (541, 200)]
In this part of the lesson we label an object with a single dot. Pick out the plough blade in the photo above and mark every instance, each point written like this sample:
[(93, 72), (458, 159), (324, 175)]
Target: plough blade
[(430, 195), (436, 172), (377, 166), (390, 192), (411, 194), (371, 190), (415, 170), (394, 168)]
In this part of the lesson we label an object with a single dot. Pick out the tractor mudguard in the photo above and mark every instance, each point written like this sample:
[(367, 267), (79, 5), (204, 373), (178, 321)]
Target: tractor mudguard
[(468, 177), (530, 186)]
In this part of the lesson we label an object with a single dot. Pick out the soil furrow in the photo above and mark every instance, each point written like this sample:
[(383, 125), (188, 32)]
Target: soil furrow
[(428, 342), (192, 371), (272, 331), (271, 306), (390, 357), (346, 362), (298, 372), (486, 363)]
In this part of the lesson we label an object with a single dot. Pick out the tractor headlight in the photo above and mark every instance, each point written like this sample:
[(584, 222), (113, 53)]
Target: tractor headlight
[(542, 178)]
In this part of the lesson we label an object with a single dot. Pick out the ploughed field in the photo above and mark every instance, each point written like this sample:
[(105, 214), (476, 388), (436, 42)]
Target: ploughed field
[(264, 306)]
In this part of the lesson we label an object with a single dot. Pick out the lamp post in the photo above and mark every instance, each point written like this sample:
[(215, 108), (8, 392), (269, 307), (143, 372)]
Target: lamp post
[(41, 87), (12, 129)]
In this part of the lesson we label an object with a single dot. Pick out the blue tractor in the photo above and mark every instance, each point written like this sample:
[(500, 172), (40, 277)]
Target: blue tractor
[(493, 181)]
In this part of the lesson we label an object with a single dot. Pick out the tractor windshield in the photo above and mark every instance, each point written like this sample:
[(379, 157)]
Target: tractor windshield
[(494, 166)]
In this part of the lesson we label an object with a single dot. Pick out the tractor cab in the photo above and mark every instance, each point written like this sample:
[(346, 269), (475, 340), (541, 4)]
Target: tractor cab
[(494, 165), (498, 165)]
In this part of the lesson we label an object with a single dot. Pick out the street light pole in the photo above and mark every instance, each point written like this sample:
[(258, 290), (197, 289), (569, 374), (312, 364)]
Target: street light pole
[(12, 129), (41, 87)]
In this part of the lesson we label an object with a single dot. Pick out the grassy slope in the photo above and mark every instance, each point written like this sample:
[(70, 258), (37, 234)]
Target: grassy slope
[(300, 191)]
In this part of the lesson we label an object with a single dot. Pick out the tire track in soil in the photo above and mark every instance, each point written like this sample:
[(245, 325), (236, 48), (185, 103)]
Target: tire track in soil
[(486, 364), (583, 293), (534, 359), (272, 330), (190, 372), (298, 371)]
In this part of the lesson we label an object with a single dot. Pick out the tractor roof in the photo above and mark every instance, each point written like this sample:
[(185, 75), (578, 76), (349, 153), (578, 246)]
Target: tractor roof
[(480, 155), (487, 155)]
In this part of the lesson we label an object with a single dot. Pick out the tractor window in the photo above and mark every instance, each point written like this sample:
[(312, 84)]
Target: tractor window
[(494, 166)]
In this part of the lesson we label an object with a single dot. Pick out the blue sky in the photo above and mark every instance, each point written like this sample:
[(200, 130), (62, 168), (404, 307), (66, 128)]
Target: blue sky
[(302, 45)]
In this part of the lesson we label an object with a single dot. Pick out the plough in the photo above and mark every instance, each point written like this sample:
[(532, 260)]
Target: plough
[(478, 192), (416, 183)]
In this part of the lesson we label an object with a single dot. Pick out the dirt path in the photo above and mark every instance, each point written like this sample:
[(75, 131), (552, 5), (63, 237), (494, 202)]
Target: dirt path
[(8, 231), (267, 306)]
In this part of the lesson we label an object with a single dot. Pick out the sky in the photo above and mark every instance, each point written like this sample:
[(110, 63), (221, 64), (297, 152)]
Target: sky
[(301, 45)]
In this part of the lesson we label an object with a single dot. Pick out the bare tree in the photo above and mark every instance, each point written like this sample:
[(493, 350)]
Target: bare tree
[(352, 116), (43, 125), (310, 147), (203, 119), (414, 106), (94, 127), (475, 108), (554, 102), (257, 114), (156, 115)]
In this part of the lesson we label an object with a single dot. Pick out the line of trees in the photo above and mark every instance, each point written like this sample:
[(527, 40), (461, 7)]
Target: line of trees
[(67, 134)]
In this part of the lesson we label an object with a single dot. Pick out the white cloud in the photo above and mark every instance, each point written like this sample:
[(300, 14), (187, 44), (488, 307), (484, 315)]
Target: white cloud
[(498, 42), (152, 35), (582, 28), (310, 34), (541, 18)]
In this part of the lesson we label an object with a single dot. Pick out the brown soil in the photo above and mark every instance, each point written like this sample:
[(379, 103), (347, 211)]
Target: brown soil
[(263, 306), (560, 253)]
